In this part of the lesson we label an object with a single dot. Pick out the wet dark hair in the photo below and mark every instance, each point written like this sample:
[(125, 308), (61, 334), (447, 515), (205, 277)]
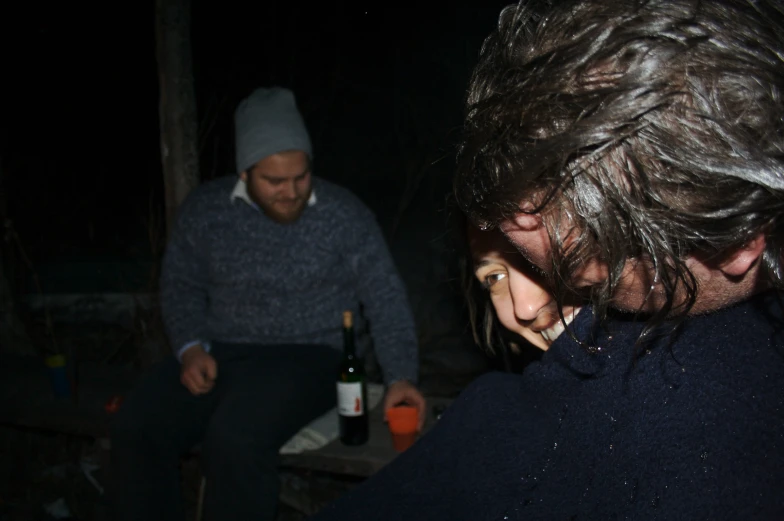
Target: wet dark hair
[(648, 130)]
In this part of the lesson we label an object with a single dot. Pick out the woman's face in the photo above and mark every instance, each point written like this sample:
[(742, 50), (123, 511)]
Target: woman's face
[(517, 291)]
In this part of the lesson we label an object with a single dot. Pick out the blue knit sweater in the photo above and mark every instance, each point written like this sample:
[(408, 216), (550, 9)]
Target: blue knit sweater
[(695, 432), (232, 274)]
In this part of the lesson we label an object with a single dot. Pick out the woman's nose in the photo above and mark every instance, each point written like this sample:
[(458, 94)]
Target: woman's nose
[(528, 297)]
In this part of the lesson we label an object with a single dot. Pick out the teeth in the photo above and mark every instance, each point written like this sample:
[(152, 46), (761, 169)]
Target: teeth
[(554, 332), (571, 316)]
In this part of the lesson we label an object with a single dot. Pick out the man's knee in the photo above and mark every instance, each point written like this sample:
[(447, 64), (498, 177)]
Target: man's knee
[(231, 443), (230, 437)]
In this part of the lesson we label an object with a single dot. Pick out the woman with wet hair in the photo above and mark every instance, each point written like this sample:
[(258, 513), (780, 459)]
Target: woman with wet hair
[(512, 313)]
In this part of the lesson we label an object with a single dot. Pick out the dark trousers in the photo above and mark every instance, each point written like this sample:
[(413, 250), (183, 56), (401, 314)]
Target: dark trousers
[(262, 396)]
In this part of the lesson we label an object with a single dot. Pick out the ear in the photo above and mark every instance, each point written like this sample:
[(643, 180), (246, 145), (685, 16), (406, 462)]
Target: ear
[(742, 259), (244, 175)]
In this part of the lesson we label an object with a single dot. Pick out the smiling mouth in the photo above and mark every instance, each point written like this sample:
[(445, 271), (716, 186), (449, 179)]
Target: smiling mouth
[(551, 333)]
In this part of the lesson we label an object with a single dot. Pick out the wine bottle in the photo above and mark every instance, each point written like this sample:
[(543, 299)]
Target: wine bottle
[(352, 390)]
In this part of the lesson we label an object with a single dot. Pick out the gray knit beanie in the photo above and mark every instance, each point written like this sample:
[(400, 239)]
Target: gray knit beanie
[(268, 122)]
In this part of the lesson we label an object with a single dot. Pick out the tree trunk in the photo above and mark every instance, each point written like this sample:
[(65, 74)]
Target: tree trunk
[(177, 110)]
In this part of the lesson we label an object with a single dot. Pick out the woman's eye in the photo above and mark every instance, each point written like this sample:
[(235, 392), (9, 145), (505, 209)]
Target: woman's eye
[(491, 279)]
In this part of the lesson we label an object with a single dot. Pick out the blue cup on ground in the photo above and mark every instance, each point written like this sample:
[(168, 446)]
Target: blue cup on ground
[(58, 374)]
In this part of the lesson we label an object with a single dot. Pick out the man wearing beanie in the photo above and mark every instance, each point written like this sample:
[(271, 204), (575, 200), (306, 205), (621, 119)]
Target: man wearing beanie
[(256, 275)]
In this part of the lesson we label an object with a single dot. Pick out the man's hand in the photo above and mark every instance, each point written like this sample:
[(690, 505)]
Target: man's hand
[(199, 370), (404, 391)]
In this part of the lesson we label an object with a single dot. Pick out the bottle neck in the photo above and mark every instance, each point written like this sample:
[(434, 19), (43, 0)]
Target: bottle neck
[(348, 342)]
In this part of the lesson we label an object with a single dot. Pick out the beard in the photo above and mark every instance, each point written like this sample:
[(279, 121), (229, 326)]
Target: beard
[(279, 210), (284, 214)]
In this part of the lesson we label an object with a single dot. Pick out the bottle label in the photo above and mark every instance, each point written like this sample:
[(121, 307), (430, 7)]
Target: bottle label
[(350, 399)]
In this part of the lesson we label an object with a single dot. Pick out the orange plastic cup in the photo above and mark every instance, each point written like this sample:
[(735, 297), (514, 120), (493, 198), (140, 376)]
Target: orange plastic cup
[(402, 421)]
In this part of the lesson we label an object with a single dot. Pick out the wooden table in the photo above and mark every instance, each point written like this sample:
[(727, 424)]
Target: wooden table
[(363, 460)]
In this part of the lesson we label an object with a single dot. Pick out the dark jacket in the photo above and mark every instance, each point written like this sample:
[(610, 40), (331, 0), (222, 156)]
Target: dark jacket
[(693, 430)]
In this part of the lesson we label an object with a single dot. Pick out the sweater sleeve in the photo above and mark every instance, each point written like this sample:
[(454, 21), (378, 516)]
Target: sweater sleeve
[(386, 306), (183, 284)]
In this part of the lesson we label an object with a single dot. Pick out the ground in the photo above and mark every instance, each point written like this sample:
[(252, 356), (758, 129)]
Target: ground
[(40, 471)]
